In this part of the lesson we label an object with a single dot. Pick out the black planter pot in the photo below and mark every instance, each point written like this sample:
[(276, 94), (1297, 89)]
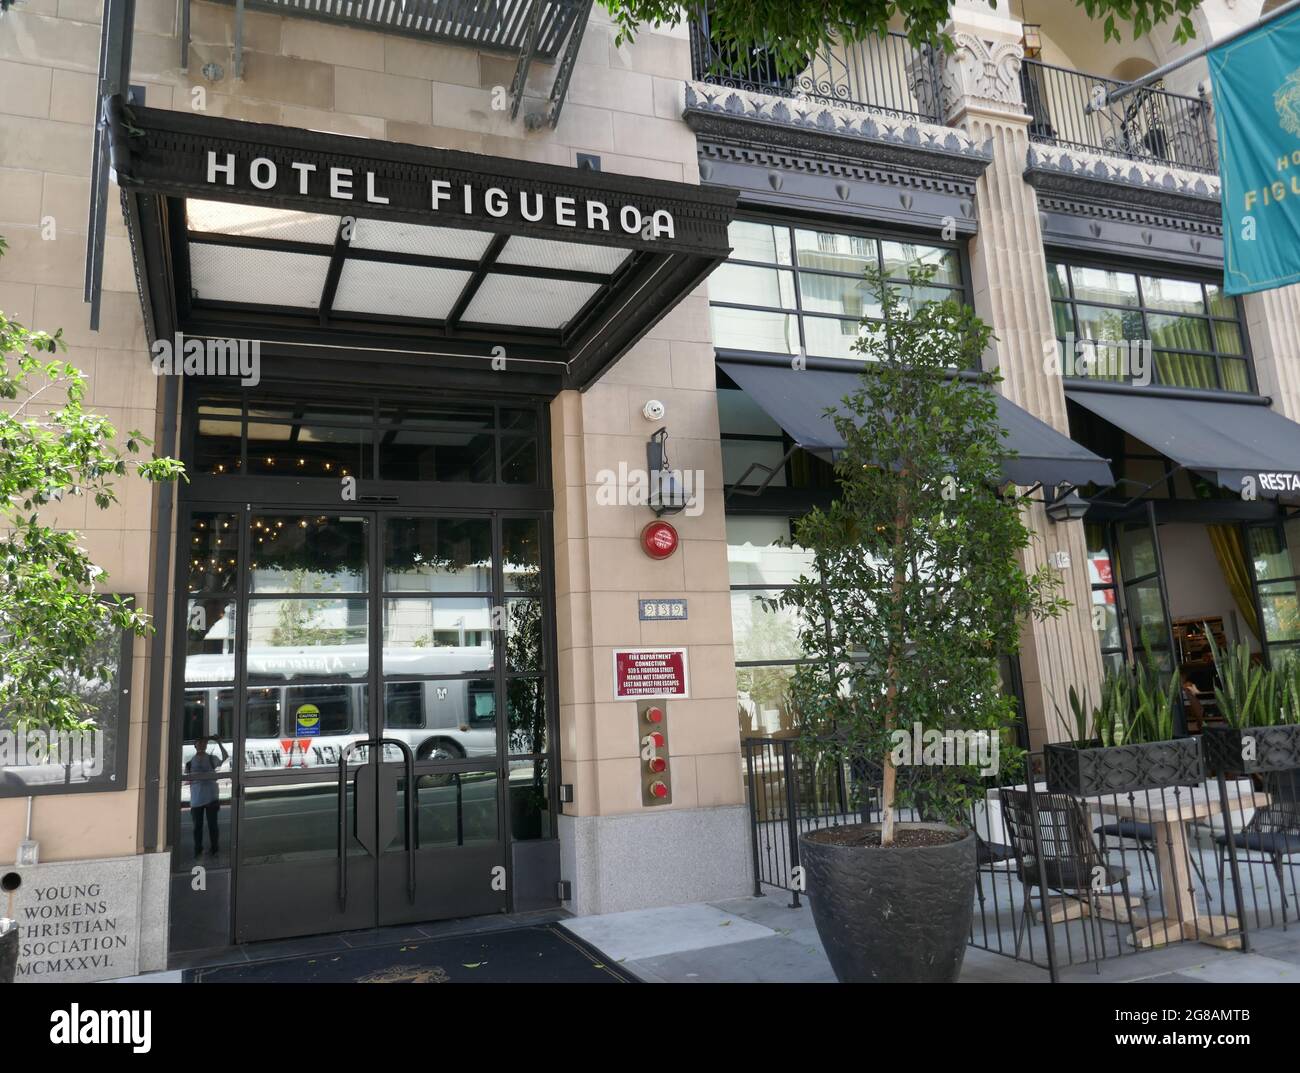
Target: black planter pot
[(897, 915), (1121, 769), (1271, 749), (8, 956)]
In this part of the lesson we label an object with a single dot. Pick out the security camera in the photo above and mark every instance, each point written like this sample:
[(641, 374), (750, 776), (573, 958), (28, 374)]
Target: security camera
[(653, 411)]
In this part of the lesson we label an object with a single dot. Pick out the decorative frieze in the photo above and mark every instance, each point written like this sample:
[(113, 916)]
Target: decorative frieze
[(811, 125), (835, 160), (1141, 182), (1107, 205)]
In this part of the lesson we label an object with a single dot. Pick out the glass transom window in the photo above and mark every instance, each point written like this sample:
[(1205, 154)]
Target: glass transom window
[(788, 289), (1139, 328)]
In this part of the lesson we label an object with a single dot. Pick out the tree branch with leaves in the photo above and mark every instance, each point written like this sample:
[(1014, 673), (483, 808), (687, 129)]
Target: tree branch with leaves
[(52, 611), (789, 32)]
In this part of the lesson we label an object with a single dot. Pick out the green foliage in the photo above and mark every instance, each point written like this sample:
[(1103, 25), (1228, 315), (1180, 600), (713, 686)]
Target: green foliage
[(916, 588), (51, 613), (1138, 705), (1248, 694), (790, 32)]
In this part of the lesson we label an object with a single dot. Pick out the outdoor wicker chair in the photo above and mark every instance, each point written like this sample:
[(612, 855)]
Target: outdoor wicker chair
[(1055, 851), (1273, 831)]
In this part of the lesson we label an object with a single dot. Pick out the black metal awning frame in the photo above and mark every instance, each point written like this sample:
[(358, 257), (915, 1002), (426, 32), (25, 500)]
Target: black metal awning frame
[(159, 159)]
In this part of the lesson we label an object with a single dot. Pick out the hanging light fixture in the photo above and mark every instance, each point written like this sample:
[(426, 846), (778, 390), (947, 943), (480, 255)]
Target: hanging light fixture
[(1030, 38), (667, 494), (1067, 506)]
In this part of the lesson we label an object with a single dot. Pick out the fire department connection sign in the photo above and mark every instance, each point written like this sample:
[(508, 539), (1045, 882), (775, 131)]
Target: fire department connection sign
[(650, 672)]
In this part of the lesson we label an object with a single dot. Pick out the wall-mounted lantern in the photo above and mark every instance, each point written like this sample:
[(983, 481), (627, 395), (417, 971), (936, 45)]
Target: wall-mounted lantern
[(1067, 506), (1031, 40), (667, 492)]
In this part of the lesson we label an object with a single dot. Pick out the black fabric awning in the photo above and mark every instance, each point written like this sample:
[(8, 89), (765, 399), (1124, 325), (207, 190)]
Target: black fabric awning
[(1241, 446), (798, 401), (351, 246)]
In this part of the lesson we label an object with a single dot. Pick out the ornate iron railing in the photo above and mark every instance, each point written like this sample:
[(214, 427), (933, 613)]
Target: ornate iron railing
[(887, 75), (1150, 124)]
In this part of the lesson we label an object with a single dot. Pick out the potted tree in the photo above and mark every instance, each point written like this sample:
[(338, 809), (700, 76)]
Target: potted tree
[(1127, 743), (916, 589), (1262, 709)]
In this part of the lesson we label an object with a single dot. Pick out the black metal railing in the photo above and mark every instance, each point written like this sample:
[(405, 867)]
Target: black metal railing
[(1150, 124), (1125, 872), (886, 75)]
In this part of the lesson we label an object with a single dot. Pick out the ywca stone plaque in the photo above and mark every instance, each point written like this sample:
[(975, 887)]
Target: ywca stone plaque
[(78, 920)]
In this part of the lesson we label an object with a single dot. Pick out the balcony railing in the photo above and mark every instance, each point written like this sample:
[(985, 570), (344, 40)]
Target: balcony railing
[(888, 75), (1150, 124)]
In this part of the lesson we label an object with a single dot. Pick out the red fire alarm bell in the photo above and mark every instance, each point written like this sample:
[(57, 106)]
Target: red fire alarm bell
[(659, 540)]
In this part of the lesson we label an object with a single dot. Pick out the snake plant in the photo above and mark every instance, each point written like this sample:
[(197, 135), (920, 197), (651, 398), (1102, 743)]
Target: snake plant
[(1248, 694), (1135, 708)]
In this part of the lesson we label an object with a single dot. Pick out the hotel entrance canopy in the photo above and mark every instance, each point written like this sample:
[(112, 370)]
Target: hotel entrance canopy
[(798, 401), (332, 246), (1243, 447)]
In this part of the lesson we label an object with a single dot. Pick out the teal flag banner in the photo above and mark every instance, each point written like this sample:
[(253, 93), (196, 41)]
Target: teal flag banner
[(1256, 83)]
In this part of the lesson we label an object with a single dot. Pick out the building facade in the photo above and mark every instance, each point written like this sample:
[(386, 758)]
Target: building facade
[(417, 297)]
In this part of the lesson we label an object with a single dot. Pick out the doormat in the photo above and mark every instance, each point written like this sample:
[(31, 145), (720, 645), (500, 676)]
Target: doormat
[(544, 954)]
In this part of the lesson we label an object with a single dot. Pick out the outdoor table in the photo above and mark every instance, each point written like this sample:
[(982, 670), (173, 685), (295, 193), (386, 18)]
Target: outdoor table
[(1169, 811)]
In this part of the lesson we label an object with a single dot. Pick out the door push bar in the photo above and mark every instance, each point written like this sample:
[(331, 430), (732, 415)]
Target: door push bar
[(408, 761)]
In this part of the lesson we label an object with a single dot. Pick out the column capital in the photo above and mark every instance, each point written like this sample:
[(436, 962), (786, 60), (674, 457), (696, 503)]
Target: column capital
[(982, 75)]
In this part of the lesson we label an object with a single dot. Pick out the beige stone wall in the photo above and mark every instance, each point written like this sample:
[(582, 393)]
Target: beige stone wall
[(601, 572), (48, 53), (623, 104), (1273, 322), (1009, 277)]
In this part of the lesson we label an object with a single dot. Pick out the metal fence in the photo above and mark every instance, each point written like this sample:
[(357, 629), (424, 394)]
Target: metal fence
[(886, 75), (1067, 880), (1150, 124)]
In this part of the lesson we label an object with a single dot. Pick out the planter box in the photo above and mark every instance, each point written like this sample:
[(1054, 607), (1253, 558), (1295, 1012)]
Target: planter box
[(1274, 748), (1120, 769)]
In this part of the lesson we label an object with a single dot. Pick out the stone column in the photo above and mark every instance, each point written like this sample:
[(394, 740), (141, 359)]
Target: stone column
[(1273, 321), (618, 852), (981, 88)]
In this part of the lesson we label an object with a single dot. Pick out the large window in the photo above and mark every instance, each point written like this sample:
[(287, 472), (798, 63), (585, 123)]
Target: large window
[(1105, 598), (37, 761), (1275, 551), (1193, 329), (762, 563), (800, 290), (471, 443)]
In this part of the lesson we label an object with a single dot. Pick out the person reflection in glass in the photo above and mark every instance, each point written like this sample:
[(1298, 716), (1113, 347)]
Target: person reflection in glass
[(204, 796)]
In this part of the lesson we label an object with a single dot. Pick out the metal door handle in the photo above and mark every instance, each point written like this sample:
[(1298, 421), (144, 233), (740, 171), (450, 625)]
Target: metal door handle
[(408, 760)]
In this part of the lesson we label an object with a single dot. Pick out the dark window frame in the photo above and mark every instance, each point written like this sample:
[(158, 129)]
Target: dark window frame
[(837, 226), (1138, 269), (110, 780)]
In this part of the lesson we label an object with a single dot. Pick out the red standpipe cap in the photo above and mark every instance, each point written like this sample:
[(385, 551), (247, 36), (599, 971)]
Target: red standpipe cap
[(658, 764), (654, 715), (657, 738), (659, 789)]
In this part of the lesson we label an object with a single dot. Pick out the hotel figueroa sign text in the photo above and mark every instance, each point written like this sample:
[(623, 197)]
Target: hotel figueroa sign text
[(1257, 112), (445, 197)]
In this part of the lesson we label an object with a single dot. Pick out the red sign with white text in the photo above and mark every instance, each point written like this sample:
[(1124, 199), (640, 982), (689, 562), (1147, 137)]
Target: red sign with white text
[(650, 672)]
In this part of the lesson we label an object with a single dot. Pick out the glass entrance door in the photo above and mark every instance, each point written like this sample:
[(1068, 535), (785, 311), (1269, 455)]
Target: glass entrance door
[(381, 655), (1142, 578)]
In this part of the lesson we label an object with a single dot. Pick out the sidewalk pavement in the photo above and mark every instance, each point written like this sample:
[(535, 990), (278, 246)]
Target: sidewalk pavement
[(763, 940)]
